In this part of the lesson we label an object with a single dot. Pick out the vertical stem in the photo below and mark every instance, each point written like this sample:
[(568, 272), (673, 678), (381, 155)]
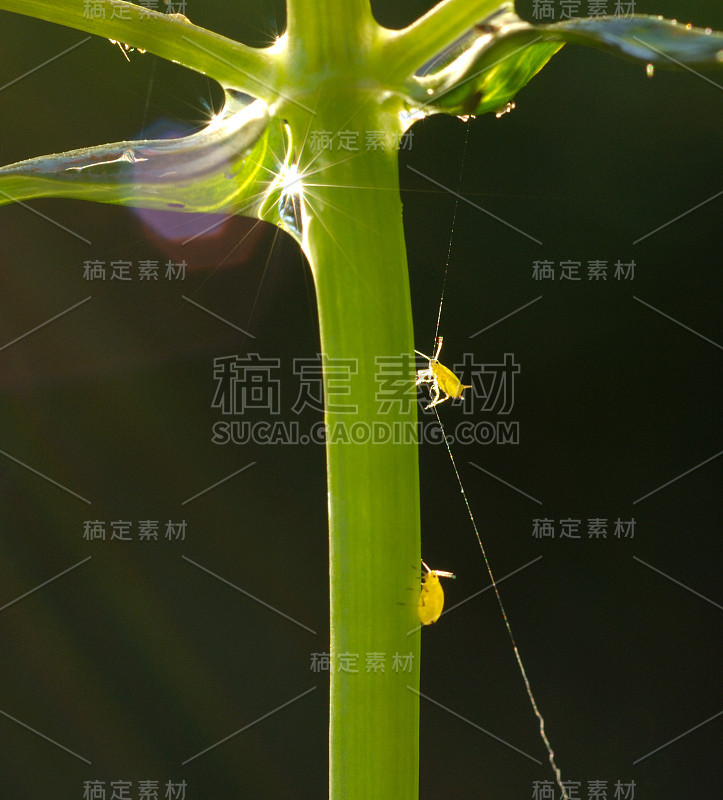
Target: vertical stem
[(359, 264), (339, 29), (340, 17)]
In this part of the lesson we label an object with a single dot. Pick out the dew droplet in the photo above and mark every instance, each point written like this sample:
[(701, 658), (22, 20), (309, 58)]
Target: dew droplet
[(506, 108), (649, 70)]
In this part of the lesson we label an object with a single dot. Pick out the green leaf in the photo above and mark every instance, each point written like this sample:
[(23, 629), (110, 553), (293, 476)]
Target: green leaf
[(170, 36), (496, 59), (228, 167), (654, 40), (501, 54)]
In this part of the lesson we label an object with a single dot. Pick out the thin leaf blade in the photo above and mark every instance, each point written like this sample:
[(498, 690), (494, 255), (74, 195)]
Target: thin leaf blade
[(503, 53), (225, 168), (654, 40)]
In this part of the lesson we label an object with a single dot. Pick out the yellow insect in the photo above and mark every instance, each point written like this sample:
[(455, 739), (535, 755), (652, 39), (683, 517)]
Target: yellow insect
[(439, 378), (431, 599)]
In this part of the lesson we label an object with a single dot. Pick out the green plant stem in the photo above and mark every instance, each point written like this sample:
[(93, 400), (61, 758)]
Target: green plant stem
[(233, 65), (342, 32), (406, 50), (333, 23), (353, 237)]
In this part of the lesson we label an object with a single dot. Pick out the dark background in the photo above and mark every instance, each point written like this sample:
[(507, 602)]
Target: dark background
[(136, 660)]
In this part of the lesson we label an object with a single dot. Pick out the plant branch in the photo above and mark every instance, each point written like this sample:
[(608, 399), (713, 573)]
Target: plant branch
[(408, 49), (233, 65)]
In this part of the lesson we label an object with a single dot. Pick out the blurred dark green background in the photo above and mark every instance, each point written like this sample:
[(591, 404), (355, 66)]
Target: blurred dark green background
[(137, 660)]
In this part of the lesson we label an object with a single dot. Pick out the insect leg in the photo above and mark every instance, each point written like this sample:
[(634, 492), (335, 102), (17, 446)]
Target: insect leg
[(435, 394)]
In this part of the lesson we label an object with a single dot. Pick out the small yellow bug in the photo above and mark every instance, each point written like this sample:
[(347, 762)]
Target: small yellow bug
[(439, 377), (431, 599)]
